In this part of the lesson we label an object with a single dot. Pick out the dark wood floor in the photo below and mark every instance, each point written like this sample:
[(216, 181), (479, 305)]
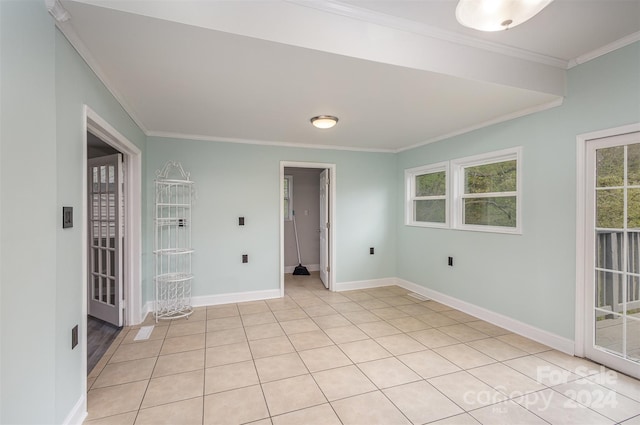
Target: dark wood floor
[(100, 335)]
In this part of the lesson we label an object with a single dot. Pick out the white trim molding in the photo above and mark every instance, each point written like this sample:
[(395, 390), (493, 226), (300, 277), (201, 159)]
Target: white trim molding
[(581, 227), (217, 299), (539, 335), (78, 413), (331, 260), (365, 284), (56, 10), (133, 208), (618, 44)]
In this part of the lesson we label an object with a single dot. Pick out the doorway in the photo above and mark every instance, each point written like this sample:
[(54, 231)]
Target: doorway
[(307, 223), (105, 302), (611, 267), (107, 146)]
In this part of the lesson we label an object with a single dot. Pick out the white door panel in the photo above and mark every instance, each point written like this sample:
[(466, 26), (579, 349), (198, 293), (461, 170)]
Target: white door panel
[(612, 275), (324, 227), (105, 238)]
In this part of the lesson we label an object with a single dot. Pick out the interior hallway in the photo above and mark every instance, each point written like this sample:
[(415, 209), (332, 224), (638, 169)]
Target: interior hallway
[(358, 357)]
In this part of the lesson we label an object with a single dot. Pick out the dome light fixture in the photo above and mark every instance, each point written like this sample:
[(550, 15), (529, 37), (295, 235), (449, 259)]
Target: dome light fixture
[(324, 121), (497, 15)]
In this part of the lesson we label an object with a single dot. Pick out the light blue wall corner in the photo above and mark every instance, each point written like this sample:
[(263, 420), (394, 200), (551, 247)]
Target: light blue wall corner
[(528, 277), (76, 86), (235, 180)]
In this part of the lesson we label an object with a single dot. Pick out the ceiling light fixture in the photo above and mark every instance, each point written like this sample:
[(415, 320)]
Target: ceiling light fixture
[(324, 121), (497, 15)]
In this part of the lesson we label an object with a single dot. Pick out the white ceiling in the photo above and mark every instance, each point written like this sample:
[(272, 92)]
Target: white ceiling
[(396, 73)]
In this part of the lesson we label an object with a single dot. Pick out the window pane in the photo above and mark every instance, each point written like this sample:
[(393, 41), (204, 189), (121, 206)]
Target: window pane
[(432, 184), (286, 209), (609, 250), (610, 208), (634, 252), (633, 208), (497, 211), (610, 167), (431, 211), (609, 287), (609, 331), (489, 178), (633, 164), (286, 187)]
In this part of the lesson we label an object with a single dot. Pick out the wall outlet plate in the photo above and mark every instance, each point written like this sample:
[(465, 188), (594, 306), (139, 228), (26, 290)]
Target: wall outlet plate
[(240, 221), (245, 258)]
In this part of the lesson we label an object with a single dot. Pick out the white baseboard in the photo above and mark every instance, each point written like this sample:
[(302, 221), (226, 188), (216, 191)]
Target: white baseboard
[(539, 335), (310, 267), (237, 297), (364, 284), (207, 300), (78, 413)]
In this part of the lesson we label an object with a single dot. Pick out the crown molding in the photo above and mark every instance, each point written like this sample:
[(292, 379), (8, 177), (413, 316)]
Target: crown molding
[(67, 30), (618, 44), (347, 10), (198, 137), (503, 118), (56, 10)]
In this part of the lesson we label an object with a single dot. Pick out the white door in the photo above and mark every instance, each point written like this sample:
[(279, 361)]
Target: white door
[(105, 239), (612, 283), (324, 228)]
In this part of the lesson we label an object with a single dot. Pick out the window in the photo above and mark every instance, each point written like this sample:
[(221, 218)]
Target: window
[(426, 196), (287, 196), (487, 192)]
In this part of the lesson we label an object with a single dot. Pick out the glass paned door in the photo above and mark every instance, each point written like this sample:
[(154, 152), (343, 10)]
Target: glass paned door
[(613, 278), (105, 239)]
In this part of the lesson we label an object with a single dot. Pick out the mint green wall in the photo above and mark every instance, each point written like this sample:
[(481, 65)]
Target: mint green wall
[(76, 85), (529, 277), (235, 180), (44, 86), (28, 216)]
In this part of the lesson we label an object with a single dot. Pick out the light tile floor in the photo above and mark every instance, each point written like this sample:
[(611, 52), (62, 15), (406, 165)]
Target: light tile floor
[(374, 356)]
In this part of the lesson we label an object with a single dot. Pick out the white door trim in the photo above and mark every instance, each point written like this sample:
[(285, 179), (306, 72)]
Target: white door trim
[(332, 216), (581, 222), (133, 210)]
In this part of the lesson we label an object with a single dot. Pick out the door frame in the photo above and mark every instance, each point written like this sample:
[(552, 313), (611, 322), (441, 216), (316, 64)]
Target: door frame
[(581, 231), (332, 216), (132, 279)]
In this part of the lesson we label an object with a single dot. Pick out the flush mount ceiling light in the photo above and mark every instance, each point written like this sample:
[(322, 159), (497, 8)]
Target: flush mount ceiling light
[(497, 15), (324, 121)]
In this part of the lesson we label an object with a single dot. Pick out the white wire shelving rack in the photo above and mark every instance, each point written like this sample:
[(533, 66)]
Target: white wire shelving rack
[(172, 248)]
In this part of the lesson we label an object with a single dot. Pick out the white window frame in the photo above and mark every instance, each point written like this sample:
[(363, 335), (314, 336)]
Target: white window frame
[(288, 214), (458, 167), (410, 180)]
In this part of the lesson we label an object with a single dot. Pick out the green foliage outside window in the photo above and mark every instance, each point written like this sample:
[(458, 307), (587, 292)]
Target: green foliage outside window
[(432, 184), (491, 178), (610, 165)]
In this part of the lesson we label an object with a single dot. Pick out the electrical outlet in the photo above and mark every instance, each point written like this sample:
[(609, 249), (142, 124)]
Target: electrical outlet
[(245, 258), (371, 251), (240, 221), (74, 337), (450, 261)]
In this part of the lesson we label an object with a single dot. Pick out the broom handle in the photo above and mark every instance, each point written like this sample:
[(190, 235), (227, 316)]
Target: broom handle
[(295, 232)]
